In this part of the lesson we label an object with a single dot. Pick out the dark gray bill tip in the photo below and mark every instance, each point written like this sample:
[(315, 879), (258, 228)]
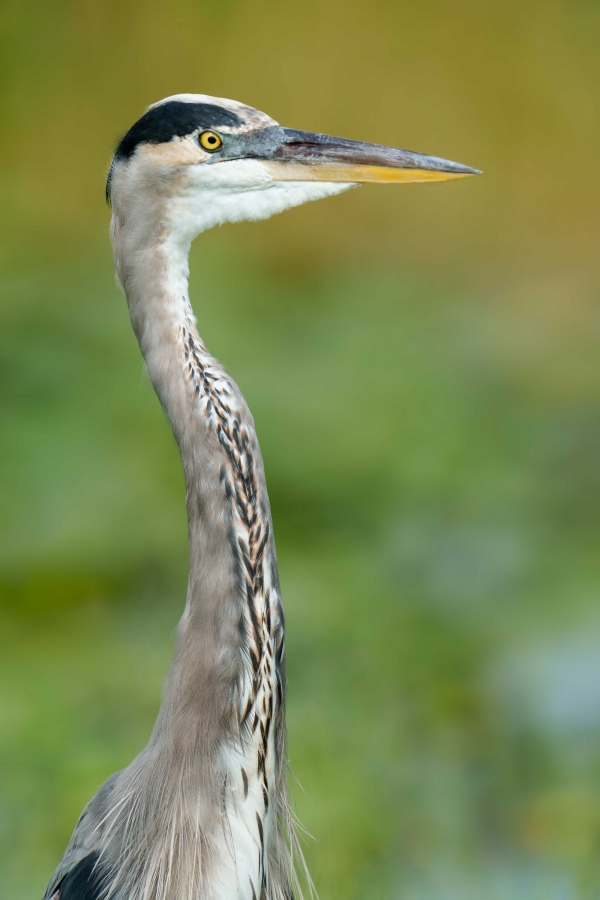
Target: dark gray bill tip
[(437, 164)]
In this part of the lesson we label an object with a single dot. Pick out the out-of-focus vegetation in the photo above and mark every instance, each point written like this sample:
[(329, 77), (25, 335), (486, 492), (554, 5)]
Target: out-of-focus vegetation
[(422, 364)]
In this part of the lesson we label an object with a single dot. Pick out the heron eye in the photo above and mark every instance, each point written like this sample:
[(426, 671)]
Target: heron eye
[(210, 141)]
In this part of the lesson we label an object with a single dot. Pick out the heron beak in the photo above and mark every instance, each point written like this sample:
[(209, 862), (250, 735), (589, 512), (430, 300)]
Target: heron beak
[(304, 156)]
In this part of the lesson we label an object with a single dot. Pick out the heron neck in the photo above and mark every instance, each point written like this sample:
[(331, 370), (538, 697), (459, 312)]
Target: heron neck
[(233, 612), (219, 739)]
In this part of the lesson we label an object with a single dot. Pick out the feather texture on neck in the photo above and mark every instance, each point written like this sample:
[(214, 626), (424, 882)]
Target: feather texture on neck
[(204, 809)]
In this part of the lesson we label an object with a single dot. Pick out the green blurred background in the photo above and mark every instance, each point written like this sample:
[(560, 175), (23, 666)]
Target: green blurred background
[(422, 365)]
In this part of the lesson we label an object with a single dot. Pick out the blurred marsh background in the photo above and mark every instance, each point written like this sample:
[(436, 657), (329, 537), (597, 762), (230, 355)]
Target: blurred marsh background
[(422, 363)]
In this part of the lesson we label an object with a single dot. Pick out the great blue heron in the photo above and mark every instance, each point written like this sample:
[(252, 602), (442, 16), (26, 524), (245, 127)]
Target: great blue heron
[(203, 813)]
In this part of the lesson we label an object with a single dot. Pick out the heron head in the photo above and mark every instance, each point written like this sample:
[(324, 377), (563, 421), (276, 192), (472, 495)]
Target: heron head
[(196, 161)]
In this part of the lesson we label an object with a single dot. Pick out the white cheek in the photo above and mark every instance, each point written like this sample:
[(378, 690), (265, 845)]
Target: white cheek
[(277, 197), (235, 191), (233, 175)]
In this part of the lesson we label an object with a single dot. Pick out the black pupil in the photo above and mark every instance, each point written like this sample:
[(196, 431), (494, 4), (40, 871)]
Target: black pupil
[(212, 140)]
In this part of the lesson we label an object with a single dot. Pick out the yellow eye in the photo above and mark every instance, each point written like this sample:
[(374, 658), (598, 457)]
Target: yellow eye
[(210, 141)]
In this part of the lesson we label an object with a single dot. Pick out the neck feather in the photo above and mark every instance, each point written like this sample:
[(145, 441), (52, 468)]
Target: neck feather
[(219, 740), (233, 575)]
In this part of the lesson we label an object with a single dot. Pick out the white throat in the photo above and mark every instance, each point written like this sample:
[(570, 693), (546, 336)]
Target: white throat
[(155, 207)]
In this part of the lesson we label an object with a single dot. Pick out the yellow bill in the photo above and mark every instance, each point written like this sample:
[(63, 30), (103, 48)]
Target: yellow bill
[(304, 156)]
